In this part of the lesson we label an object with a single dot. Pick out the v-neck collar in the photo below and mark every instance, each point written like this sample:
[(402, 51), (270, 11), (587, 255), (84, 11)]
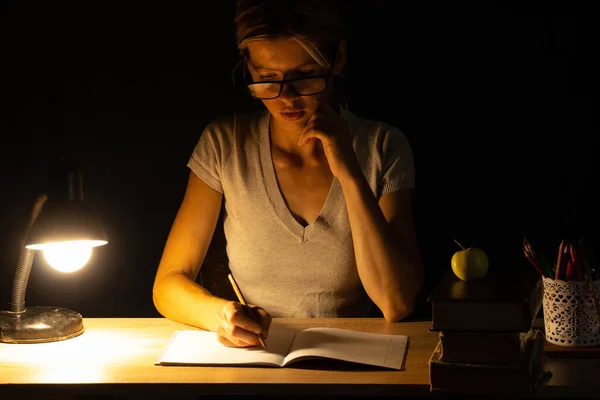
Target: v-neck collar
[(332, 202)]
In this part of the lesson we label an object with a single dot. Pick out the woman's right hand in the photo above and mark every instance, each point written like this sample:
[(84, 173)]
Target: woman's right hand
[(235, 328)]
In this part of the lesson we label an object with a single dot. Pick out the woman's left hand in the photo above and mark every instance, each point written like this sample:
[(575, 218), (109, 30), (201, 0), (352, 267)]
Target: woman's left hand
[(331, 129)]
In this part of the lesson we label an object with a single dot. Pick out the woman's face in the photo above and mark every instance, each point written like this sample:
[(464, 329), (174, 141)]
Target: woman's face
[(285, 58)]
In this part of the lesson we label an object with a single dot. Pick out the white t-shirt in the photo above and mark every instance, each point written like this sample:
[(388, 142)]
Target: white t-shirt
[(286, 268)]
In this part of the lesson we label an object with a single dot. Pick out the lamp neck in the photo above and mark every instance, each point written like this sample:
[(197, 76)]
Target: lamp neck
[(17, 303)]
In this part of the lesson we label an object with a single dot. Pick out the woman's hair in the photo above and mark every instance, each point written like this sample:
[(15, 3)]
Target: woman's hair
[(315, 24)]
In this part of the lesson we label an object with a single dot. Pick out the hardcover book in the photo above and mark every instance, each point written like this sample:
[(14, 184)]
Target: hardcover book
[(476, 379), (504, 300), (484, 348)]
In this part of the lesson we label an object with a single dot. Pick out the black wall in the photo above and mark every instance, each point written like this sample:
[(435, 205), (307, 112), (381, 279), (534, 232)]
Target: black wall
[(496, 102)]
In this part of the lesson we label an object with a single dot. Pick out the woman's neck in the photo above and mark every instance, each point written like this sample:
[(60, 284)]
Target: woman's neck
[(284, 136)]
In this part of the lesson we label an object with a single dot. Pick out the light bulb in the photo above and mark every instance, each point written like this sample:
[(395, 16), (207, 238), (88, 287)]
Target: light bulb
[(67, 256)]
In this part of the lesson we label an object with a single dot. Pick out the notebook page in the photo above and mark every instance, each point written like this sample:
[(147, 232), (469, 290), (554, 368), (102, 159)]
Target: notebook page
[(382, 350), (194, 347)]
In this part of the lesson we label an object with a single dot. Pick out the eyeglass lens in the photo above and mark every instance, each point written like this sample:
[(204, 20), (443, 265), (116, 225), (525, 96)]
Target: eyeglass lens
[(303, 87)]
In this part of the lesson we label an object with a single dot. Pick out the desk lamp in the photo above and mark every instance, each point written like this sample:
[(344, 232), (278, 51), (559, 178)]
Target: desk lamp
[(66, 231)]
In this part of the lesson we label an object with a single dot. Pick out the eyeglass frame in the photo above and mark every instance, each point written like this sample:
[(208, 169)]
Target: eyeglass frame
[(288, 81)]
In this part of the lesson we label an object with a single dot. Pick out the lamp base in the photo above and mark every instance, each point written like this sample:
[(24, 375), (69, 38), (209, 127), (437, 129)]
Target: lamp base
[(40, 325)]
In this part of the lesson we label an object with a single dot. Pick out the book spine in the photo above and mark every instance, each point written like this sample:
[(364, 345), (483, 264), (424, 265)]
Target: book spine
[(478, 317), (505, 349), (485, 379)]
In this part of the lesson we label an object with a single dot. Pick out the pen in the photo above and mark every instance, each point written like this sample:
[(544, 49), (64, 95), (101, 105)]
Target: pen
[(241, 299)]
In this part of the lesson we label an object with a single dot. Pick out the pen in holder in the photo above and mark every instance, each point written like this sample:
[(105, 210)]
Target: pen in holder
[(570, 302), (570, 312)]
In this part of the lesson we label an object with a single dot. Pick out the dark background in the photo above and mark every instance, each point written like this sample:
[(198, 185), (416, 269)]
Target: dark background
[(495, 100)]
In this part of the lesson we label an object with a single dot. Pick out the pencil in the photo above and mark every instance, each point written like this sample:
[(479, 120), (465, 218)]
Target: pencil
[(241, 299), (561, 250), (577, 262), (532, 260), (538, 259)]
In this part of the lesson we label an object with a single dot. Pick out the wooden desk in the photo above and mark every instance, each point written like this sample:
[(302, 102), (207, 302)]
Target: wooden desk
[(115, 356)]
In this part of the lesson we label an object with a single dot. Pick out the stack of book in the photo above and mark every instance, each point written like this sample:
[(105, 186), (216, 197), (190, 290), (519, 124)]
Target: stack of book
[(487, 341)]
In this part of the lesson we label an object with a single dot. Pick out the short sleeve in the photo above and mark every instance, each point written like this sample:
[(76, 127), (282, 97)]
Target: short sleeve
[(397, 162), (211, 152)]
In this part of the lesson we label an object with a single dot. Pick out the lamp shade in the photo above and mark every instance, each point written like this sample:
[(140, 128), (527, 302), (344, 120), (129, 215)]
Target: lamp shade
[(65, 217), (66, 222)]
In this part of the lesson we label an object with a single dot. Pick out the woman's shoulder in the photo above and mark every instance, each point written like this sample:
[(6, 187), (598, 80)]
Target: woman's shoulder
[(230, 132)]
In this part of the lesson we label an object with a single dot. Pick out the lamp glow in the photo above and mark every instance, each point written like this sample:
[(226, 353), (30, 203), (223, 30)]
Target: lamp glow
[(68, 256)]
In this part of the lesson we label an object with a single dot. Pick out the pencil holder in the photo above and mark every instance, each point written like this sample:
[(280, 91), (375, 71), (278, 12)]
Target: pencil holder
[(571, 317)]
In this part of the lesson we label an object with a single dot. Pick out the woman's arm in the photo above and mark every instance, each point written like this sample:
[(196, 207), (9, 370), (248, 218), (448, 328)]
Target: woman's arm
[(176, 294), (385, 246)]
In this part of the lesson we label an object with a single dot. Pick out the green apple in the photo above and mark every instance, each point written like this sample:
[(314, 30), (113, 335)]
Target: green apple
[(470, 264)]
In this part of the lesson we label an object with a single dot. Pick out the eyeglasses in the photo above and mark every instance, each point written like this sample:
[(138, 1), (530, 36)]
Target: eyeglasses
[(267, 90)]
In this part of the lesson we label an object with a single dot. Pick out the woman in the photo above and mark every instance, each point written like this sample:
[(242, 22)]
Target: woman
[(318, 214)]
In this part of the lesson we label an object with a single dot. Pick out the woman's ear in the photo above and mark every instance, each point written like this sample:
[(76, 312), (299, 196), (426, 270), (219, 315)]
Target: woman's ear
[(340, 57)]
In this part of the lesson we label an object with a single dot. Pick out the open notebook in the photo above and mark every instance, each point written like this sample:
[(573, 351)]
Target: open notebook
[(285, 346)]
